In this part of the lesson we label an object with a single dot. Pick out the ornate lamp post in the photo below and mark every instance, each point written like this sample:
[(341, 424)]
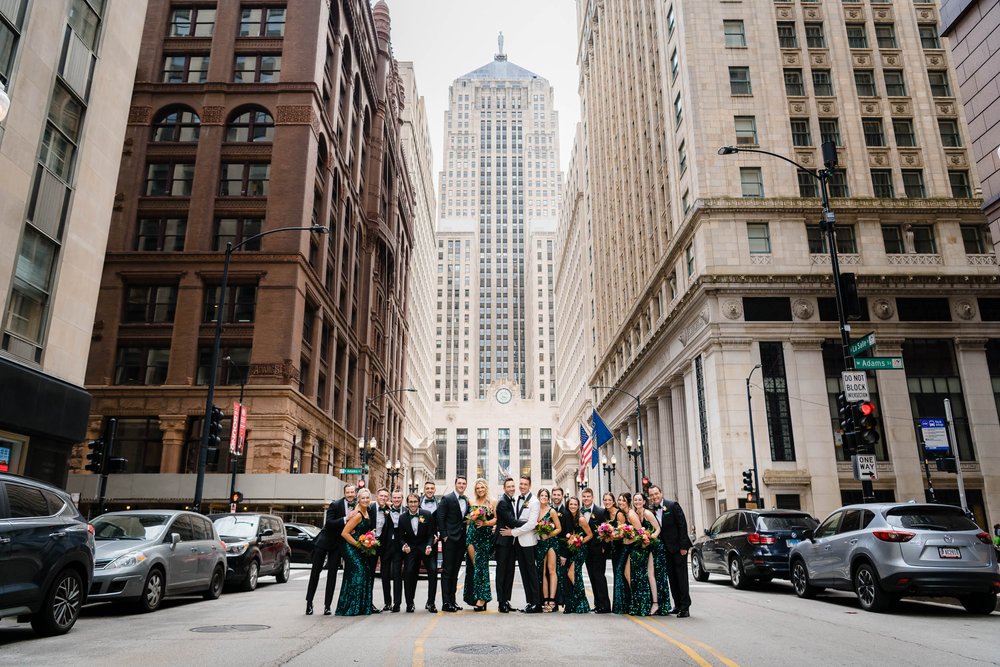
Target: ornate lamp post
[(394, 471), (638, 425), (634, 450), (365, 456), (609, 468)]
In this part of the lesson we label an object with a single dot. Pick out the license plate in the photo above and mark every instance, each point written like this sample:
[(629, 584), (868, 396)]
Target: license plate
[(949, 552), (792, 543)]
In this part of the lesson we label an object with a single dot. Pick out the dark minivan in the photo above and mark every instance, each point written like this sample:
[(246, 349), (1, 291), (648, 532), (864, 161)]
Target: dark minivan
[(749, 545), (46, 555), (256, 546)]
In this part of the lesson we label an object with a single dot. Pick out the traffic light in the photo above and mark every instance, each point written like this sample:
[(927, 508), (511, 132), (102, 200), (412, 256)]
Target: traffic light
[(867, 426), (117, 465), (748, 480), (847, 425), (214, 435), (95, 457), (361, 484), (646, 484), (236, 498), (849, 292)]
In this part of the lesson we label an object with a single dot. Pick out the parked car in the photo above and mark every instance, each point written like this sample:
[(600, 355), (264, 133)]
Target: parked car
[(145, 555), (256, 546), (300, 540), (46, 555), (749, 545), (886, 551)]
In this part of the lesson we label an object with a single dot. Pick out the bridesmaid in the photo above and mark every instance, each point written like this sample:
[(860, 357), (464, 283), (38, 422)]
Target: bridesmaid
[(637, 568), (547, 552), (576, 597), (479, 537), (620, 554), (356, 589)]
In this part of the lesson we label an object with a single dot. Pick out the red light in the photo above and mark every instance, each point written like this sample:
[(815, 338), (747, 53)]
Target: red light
[(90, 529), (903, 581), (894, 535), (867, 409), (757, 538), (984, 538)]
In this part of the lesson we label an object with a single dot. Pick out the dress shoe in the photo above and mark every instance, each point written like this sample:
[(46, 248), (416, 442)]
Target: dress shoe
[(674, 611), (395, 609), (532, 609), (375, 610), (409, 609), (387, 607), (683, 613), (326, 611), (431, 608), (309, 608), (504, 608), (602, 611), (450, 608)]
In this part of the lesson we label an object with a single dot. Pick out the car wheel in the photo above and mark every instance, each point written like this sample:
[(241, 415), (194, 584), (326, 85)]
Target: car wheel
[(800, 581), (253, 571), (979, 603), (736, 574), (215, 585), (284, 572), (152, 591), (61, 606), (698, 570), (869, 590)]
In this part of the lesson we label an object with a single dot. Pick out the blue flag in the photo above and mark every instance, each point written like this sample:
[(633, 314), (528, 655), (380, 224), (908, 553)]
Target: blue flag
[(601, 432)]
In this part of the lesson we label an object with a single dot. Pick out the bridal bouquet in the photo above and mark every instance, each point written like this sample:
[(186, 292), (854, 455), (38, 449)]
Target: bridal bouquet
[(545, 528), (368, 543), (606, 532), (574, 543), (627, 532), (474, 515), (643, 535)]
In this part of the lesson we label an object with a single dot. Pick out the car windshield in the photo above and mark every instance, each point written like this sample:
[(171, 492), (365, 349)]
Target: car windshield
[(929, 518), (130, 526), (312, 531), (785, 522), (236, 526)]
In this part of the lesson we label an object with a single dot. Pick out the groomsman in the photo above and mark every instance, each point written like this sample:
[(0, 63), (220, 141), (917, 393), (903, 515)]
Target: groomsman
[(451, 525), (391, 554), (568, 526), (597, 558), (327, 548), (526, 516), (504, 547), (674, 538), (416, 534), (429, 503)]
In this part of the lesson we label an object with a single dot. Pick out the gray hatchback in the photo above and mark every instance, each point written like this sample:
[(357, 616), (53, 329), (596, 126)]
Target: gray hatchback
[(886, 551)]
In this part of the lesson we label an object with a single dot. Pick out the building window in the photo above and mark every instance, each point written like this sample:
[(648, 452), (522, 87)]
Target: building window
[(892, 239), (192, 22), (923, 239), (739, 81), (837, 184), (801, 132), (706, 449), (959, 180), (169, 179), (940, 86), (903, 129), (882, 183), (822, 83), (675, 65), (776, 403), (682, 158), (235, 230), (546, 453), (735, 35), (829, 130), (176, 124), (246, 179), (864, 81), (11, 20), (846, 239), (503, 451), (746, 130), (678, 110), (140, 440), (250, 126), (263, 22), (857, 36), (874, 136), (752, 181), (950, 136), (913, 183), (895, 84), (759, 237), (787, 39), (976, 239), (482, 453), (808, 185), (885, 36), (142, 365), (234, 364), (794, 86), (524, 451), (929, 36), (241, 303), (689, 259), (815, 39), (161, 234), (187, 68), (150, 303), (441, 447), (932, 376), (257, 68)]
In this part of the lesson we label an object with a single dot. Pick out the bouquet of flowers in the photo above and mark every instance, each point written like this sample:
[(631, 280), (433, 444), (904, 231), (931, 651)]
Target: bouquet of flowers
[(643, 535), (574, 543), (627, 532), (545, 528), (475, 514), (368, 543), (606, 532)]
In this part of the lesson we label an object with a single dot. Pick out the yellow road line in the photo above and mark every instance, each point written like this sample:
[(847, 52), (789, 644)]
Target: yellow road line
[(694, 655), (723, 659), (418, 646)]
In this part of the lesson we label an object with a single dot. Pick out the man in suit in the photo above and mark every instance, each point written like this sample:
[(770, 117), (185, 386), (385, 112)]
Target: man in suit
[(597, 557), (378, 515), (416, 535), (451, 525), (327, 548), (566, 523), (676, 541), (525, 539), (391, 554), (429, 503), (504, 547)]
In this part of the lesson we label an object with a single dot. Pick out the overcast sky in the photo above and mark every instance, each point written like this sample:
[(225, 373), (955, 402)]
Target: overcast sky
[(448, 38)]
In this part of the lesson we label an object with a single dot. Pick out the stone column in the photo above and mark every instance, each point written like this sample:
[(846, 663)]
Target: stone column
[(980, 405), (308, 451), (682, 446), (897, 422), (651, 445), (172, 452), (667, 450)]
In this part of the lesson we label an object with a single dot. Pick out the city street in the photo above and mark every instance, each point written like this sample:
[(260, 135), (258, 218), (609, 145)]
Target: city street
[(727, 627)]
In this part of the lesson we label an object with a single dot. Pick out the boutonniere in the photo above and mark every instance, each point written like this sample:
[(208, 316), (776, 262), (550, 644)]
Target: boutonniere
[(420, 519)]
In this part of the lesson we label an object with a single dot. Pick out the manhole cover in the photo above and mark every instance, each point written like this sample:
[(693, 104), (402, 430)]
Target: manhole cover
[(484, 649), (231, 628)]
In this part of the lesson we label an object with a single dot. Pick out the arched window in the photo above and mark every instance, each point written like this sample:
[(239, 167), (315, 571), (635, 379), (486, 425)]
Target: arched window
[(176, 124), (253, 125)]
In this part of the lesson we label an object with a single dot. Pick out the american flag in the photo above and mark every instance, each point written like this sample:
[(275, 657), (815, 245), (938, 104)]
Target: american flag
[(586, 452)]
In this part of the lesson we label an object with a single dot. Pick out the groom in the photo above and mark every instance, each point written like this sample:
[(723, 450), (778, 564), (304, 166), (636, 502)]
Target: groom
[(451, 513), (526, 518)]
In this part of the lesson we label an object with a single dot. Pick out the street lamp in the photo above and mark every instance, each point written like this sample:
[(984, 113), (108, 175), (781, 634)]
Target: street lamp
[(638, 425), (634, 450), (609, 468), (213, 365), (394, 471), (4, 102), (828, 224), (413, 481), (366, 453), (364, 416), (753, 443), (581, 485)]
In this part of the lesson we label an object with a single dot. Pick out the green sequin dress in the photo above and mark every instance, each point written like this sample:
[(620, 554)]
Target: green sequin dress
[(660, 574), (477, 579), (542, 548), (619, 556), (576, 596), (642, 594), (356, 589)]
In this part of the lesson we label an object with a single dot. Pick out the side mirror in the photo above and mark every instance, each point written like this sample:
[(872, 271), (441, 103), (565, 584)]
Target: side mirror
[(708, 531), (267, 532), (808, 534), (175, 538)]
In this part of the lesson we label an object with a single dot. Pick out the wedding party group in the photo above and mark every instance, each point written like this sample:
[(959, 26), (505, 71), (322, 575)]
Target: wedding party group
[(551, 539)]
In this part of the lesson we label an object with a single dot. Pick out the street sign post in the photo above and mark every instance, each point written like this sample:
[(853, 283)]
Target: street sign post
[(862, 344), (855, 386), (879, 363), (935, 434), (865, 467), (351, 471)]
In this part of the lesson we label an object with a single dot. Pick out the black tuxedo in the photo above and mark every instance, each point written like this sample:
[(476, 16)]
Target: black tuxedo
[(674, 538), (505, 550), (326, 548), (597, 560), (418, 542), (391, 555), (431, 562), (451, 526)]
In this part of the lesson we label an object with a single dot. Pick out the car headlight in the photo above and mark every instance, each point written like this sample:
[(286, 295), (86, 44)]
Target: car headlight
[(237, 548), (128, 560)]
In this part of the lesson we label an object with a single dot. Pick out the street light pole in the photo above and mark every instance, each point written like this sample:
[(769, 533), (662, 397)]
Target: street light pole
[(609, 468), (240, 444), (634, 452), (638, 425), (213, 365), (372, 443), (753, 443)]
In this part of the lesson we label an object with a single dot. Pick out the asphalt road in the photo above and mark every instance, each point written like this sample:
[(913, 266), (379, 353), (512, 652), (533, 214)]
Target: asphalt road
[(769, 625)]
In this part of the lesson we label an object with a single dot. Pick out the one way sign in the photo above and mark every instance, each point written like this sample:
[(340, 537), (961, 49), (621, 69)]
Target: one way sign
[(864, 467)]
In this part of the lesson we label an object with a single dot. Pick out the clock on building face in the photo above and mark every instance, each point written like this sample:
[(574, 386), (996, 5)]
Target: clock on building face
[(504, 395)]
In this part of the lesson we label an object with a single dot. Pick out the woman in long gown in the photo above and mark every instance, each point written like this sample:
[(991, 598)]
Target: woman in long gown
[(618, 516), (356, 588), (637, 569), (547, 553), (479, 538), (576, 596)]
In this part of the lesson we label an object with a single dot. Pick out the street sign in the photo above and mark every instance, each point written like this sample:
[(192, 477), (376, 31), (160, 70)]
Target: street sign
[(855, 386), (238, 433), (865, 467), (862, 344), (879, 363), (350, 471), (935, 435)]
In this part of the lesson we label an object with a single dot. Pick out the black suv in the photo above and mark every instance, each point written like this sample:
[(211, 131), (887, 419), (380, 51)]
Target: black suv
[(256, 546), (749, 545), (46, 555)]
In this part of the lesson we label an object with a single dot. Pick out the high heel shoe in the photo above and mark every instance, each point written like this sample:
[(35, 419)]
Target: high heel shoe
[(478, 608), (309, 608)]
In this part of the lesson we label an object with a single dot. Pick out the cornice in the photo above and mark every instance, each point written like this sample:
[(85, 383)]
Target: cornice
[(850, 205)]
